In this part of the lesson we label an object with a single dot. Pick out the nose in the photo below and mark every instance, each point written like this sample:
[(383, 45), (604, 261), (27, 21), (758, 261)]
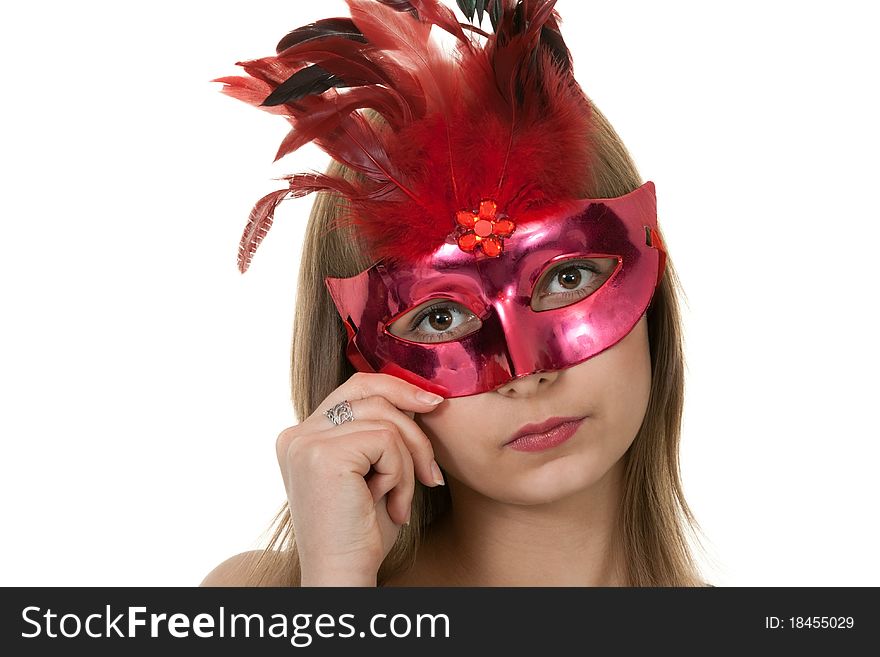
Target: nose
[(528, 385)]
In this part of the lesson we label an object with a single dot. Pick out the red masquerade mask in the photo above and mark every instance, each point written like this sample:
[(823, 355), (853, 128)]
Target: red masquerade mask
[(572, 282), (490, 263)]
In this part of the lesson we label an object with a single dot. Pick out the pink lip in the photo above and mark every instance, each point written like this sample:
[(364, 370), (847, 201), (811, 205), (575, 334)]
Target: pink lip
[(536, 437)]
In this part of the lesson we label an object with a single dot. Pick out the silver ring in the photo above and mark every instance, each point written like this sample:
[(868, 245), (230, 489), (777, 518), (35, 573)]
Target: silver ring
[(340, 413)]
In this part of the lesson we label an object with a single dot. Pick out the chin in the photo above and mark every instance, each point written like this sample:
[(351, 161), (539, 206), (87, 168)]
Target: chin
[(552, 481)]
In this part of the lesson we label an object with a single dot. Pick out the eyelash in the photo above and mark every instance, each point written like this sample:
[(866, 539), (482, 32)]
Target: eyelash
[(583, 265), (424, 315), (454, 310)]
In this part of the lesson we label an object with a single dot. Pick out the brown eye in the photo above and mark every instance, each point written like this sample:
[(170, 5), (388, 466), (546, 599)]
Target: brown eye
[(571, 281), (443, 321), (569, 278), (439, 320)]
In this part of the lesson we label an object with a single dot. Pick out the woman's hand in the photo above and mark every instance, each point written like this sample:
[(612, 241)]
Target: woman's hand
[(350, 486)]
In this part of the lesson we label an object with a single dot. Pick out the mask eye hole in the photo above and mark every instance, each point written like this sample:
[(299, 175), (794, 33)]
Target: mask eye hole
[(569, 281), (437, 320)]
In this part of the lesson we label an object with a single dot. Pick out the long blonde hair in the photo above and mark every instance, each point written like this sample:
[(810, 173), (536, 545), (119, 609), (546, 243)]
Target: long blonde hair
[(654, 519)]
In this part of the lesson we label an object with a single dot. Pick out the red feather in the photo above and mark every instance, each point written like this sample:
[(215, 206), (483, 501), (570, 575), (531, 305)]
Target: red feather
[(502, 119), (259, 223), (263, 212), (249, 90), (439, 14), (320, 117)]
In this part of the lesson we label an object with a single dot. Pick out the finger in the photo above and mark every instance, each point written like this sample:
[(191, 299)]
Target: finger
[(420, 452), (400, 497), (379, 409), (392, 468), (361, 385), (399, 486)]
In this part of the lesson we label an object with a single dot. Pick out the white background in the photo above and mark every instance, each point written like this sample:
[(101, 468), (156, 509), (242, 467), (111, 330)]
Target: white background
[(143, 380)]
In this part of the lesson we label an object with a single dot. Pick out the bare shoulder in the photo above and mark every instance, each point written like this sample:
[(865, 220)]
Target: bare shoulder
[(238, 570)]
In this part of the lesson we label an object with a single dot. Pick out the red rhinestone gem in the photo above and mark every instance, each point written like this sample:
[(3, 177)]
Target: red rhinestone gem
[(487, 209), (465, 218), (491, 246), (467, 241), (483, 227), (503, 227)]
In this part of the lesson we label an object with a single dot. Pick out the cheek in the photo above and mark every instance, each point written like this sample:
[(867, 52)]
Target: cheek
[(453, 431), (630, 372), (445, 427)]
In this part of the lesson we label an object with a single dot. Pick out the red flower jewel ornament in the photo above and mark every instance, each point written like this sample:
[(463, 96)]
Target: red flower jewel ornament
[(484, 228)]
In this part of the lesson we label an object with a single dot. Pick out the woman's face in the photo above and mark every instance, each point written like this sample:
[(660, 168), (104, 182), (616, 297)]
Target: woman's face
[(611, 389)]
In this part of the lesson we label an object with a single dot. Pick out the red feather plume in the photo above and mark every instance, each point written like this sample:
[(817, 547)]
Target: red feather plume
[(502, 119)]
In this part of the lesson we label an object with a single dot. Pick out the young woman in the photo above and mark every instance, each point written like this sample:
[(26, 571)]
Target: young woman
[(497, 246)]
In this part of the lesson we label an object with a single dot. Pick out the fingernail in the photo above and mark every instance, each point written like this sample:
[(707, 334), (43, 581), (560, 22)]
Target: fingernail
[(428, 397), (438, 476)]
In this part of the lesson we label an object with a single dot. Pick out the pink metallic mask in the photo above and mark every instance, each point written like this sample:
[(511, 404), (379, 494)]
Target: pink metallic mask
[(505, 337)]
